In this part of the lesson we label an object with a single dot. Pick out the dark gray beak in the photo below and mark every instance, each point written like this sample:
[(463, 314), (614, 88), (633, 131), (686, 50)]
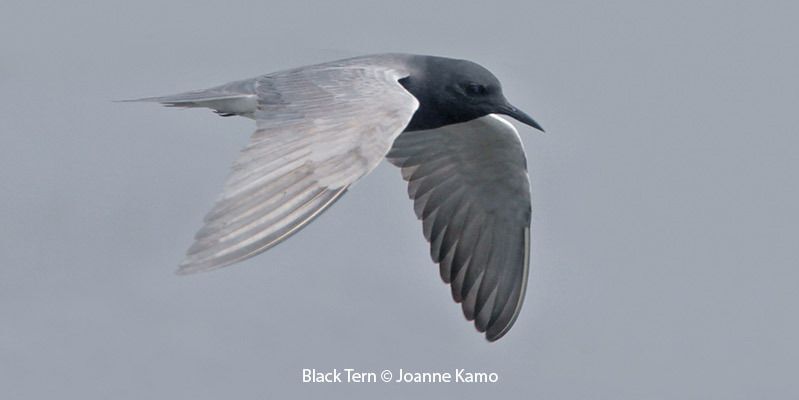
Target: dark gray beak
[(520, 116)]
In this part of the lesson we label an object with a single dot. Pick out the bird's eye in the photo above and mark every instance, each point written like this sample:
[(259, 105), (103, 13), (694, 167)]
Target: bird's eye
[(476, 89)]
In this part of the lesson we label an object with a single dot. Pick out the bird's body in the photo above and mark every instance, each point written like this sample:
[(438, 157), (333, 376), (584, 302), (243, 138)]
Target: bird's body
[(322, 127)]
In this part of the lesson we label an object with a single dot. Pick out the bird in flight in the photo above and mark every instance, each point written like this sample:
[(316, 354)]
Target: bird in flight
[(322, 127)]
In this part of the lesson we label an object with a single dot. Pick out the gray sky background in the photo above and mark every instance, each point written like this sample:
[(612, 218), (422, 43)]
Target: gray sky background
[(665, 197)]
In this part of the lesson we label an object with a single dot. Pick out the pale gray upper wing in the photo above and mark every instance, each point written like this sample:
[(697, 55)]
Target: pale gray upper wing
[(319, 129), (470, 188)]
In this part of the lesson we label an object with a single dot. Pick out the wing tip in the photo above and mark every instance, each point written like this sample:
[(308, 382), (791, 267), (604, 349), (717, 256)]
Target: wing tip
[(497, 331), (191, 267), (492, 339), (491, 336), (196, 261)]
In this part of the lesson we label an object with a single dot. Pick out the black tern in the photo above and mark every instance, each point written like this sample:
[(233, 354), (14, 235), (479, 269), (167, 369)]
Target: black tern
[(322, 127)]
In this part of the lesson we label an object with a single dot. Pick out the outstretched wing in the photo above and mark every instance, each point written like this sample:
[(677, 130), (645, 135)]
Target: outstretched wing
[(470, 188), (319, 129)]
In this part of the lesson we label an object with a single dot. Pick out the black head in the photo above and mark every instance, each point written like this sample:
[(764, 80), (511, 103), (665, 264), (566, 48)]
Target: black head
[(451, 91)]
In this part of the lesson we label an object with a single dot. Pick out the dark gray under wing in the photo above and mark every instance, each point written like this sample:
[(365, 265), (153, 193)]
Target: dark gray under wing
[(470, 188)]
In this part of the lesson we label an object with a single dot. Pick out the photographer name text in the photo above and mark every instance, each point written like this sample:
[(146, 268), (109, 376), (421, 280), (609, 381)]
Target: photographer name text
[(351, 375)]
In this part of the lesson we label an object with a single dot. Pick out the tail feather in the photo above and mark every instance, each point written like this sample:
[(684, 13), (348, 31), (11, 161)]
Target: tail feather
[(235, 98)]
